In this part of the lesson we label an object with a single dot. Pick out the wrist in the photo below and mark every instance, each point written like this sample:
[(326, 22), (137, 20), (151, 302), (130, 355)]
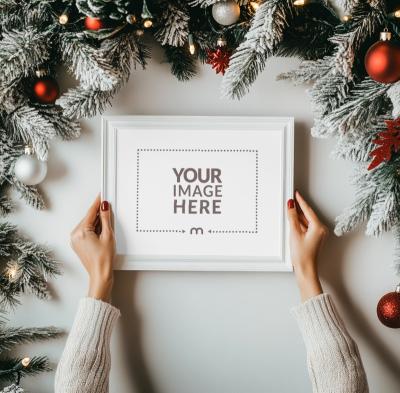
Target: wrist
[(100, 288), (308, 283)]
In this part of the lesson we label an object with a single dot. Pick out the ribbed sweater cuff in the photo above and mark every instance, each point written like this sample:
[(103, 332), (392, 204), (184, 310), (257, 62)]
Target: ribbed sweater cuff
[(94, 323), (316, 316)]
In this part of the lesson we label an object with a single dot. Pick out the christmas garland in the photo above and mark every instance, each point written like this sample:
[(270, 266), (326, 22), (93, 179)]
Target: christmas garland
[(355, 93)]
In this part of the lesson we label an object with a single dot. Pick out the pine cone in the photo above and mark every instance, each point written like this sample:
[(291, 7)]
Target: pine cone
[(116, 10)]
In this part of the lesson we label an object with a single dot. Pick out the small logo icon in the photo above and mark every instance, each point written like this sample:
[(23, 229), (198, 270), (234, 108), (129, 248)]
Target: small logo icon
[(196, 231)]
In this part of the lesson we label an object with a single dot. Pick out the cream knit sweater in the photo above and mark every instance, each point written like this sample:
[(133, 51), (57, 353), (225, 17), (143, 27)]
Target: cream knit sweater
[(333, 359)]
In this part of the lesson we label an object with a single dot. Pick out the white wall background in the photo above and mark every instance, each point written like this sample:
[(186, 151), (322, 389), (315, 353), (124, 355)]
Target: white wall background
[(199, 332)]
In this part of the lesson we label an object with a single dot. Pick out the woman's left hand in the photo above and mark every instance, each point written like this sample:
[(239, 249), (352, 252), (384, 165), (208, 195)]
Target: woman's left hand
[(94, 243)]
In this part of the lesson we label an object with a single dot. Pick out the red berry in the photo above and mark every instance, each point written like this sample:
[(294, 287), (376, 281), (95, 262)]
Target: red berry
[(93, 23)]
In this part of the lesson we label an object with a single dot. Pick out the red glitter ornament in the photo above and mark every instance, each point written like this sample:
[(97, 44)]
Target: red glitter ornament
[(382, 61), (219, 59), (46, 90), (93, 24), (388, 309)]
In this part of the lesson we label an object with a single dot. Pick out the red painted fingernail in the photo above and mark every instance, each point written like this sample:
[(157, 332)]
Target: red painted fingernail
[(290, 203), (104, 206)]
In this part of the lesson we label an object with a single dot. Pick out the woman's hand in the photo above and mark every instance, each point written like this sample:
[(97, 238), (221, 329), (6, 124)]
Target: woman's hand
[(94, 243), (307, 234)]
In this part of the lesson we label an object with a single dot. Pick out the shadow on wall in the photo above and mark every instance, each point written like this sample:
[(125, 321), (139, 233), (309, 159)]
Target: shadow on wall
[(132, 334)]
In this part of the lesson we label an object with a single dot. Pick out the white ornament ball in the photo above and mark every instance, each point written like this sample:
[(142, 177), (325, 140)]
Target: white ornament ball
[(226, 12), (29, 170)]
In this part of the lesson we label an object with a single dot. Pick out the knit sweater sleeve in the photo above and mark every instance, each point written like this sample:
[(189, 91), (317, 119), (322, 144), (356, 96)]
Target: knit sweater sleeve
[(333, 359), (85, 363)]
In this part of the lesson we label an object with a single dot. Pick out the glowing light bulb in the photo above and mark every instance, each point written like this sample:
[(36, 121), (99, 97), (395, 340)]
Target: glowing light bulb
[(147, 23), (299, 3), (26, 361), (192, 47), (63, 19), (255, 5)]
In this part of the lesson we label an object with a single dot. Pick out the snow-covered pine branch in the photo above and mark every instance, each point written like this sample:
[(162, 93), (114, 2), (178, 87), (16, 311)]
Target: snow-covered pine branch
[(79, 102), (21, 52), (365, 101), (87, 64), (365, 21), (174, 25), (265, 34)]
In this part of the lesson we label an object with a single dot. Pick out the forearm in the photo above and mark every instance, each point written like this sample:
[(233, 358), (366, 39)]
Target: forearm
[(85, 363), (333, 358)]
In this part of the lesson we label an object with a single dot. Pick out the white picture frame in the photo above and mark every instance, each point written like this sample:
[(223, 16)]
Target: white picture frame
[(151, 167)]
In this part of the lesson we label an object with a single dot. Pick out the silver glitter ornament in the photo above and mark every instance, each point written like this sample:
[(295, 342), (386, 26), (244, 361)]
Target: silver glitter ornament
[(28, 169), (226, 12)]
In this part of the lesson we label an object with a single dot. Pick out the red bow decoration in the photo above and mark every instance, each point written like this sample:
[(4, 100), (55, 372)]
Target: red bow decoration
[(219, 59), (388, 142)]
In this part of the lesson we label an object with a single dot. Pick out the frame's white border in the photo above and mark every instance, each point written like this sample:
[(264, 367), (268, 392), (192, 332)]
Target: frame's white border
[(109, 134)]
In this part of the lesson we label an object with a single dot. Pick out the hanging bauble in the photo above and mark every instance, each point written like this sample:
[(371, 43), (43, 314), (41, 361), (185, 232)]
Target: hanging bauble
[(28, 169), (226, 12), (388, 309), (382, 61), (219, 59), (45, 88), (93, 24)]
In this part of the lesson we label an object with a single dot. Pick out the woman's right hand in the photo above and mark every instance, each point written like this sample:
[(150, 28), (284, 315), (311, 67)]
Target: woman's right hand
[(94, 243), (307, 234)]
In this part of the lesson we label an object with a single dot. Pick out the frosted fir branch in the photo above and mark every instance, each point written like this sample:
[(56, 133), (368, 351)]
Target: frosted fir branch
[(366, 101), (394, 95), (9, 152), (174, 25), (356, 145), (36, 259), (80, 102), (28, 125), (10, 337), (124, 50), (6, 206), (396, 252), (207, 3), (384, 214), (365, 22), (7, 236), (265, 34), (29, 194), (308, 71), (22, 51), (65, 128), (355, 214), (183, 65), (87, 64)]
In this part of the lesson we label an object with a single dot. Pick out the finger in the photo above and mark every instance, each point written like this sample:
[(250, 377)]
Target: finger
[(303, 228), (293, 216), (90, 218), (306, 209), (105, 217), (302, 218)]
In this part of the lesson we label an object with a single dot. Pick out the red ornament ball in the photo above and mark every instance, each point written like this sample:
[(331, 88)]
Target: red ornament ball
[(388, 309), (382, 61), (93, 24), (219, 59), (46, 90)]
